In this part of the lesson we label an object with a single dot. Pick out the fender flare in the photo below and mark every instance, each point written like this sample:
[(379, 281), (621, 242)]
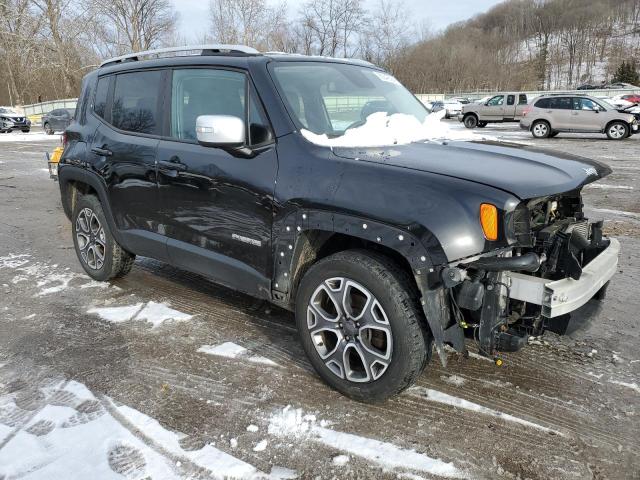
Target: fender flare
[(414, 242), (68, 173)]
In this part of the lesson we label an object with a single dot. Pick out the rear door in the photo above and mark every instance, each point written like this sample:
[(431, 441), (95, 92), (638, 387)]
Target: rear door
[(216, 203), (510, 108), (560, 113), (521, 104), (124, 150)]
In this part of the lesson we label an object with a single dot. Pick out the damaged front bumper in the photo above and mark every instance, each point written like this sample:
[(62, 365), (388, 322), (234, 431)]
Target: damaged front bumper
[(561, 297), (500, 300)]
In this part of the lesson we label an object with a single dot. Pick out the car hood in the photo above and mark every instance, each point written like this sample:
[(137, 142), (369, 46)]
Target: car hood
[(523, 171), (11, 115)]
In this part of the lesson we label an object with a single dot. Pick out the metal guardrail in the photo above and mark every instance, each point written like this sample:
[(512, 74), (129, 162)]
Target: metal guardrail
[(45, 107)]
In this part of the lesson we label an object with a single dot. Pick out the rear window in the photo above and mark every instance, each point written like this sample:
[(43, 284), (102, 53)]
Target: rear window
[(135, 102), (522, 99), (100, 100)]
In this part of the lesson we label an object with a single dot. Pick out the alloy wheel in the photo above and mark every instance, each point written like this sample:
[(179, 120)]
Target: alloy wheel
[(617, 131), (350, 330), (540, 129), (91, 239)]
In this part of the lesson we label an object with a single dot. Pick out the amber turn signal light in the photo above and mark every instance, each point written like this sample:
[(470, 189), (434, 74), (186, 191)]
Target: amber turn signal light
[(489, 221)]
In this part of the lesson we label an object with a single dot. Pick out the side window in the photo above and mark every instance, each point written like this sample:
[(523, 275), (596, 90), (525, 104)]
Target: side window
[(522, 99), (100, 100), (135, 102), (511, 99), (542, 103), (584, 104), (561, 103), (200, 91), (496, 101)]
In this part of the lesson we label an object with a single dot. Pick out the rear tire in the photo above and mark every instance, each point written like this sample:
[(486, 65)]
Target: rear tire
[(482, 124), (540, 129), (553, 134), (361, 325), (99, 253), (617, 131), (26, 130), (471, 121)]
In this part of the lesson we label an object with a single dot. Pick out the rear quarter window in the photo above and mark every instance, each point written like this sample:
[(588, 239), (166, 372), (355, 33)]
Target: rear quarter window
[(542, 103), (100, 100)]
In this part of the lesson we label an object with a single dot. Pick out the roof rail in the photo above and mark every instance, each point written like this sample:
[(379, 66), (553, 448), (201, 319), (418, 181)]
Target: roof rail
[(208, 49)]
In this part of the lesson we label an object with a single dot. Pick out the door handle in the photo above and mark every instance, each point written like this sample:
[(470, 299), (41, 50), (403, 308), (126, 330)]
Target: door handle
[(102, 151), (173, 164)]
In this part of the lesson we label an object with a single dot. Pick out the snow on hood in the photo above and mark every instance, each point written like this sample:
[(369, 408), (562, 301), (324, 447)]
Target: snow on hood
[(382, 130)]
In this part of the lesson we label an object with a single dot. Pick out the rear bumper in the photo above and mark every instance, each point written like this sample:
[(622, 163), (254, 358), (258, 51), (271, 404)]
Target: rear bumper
[(564, 296)]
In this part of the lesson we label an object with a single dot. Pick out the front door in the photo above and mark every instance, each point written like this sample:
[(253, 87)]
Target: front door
[(494, 109), (216, 204), (124, 148), (586, 115)]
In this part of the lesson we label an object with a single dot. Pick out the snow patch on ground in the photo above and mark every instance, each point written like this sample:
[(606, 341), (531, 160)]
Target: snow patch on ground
[(290, 422), (151, 312), (27, 137), (453, 380), (382, 130), (260, 446), (632, 386), (70, 433), (440, 397), (14, 261), (340, 460), (604, 186), (233, 350)]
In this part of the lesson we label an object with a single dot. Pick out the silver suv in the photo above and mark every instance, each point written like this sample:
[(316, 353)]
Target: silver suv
[(549, 115)]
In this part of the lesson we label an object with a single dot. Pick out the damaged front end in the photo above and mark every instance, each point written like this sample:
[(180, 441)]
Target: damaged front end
[(552, 278)]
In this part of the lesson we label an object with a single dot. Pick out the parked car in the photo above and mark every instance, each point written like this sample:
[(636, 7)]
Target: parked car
[(435, 106), (589, 86), (619, 86), (12, 120), (453, 108), (238, 166), (550, 115), (504, 107), (57, 120)]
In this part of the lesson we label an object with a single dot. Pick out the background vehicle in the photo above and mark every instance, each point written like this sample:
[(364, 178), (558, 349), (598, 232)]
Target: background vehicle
[(504, 107), (453, 108), (550, 115), (57, 120), (589, 86), (176, 158), (12, 120), (619, 85), (435, 106)]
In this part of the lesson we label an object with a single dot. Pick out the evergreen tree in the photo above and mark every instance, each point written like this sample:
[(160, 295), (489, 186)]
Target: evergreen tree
[(627, 72)]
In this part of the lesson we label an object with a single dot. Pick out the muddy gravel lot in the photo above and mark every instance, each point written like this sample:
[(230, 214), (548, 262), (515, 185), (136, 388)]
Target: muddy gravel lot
[(165, 375)]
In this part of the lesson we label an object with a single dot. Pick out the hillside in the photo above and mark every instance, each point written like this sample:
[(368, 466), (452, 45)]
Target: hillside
[(527, 44)]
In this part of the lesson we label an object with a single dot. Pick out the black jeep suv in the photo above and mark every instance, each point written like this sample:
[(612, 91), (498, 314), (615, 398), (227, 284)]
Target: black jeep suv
[(312, 183)]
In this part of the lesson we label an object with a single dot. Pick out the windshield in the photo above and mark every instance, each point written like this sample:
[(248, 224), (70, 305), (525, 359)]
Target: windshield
[(337, 102), (7, 110)]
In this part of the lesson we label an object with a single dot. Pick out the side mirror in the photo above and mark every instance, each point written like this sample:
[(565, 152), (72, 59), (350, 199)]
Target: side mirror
[(220, 130)]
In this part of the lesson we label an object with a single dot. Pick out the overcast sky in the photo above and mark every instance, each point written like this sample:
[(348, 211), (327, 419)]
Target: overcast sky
[(194, 15)]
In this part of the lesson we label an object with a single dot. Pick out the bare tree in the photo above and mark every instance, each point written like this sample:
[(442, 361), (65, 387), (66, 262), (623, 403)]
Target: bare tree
[(331, 24), (135, 25)]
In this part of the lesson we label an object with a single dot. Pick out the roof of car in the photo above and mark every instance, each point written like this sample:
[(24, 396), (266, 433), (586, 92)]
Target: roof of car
[(216, 53)]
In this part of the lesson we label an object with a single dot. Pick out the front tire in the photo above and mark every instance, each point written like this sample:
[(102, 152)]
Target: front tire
[(361, 325), (99, 253), (471, 121), (482, 124), (617, 131), (540, 129)]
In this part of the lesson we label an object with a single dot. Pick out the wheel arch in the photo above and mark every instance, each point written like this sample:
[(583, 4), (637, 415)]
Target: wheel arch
[(75, 181), (306, 236)]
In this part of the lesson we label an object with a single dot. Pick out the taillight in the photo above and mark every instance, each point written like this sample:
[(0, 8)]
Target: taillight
[(526, 110)]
